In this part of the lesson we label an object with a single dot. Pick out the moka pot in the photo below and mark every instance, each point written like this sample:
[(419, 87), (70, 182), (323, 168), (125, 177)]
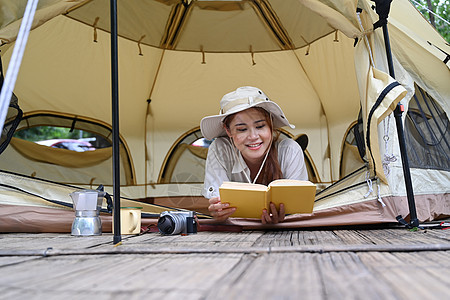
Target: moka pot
[(87, 205)]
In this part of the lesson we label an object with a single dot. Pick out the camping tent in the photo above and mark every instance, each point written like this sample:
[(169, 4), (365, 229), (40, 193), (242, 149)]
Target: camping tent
[(320, 60)]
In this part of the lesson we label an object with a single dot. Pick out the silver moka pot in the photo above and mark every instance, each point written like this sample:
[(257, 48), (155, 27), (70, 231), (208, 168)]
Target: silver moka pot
[(87, 205)]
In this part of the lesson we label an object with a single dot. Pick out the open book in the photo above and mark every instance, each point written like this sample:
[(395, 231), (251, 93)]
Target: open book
[(250, 199)]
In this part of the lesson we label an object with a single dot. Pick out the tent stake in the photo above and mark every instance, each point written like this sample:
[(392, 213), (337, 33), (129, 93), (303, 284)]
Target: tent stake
[(382, 9), (115, 122)]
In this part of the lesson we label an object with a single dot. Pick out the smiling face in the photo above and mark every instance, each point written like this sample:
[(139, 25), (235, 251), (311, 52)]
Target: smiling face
[(251, 133)]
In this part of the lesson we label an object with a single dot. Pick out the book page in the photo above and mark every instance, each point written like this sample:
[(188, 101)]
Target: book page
[(297, 196), (249, 199), (280, 182), (243, 186)]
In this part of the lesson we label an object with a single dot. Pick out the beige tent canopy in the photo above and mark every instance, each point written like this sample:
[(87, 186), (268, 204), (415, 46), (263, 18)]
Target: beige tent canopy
[(320, 60)]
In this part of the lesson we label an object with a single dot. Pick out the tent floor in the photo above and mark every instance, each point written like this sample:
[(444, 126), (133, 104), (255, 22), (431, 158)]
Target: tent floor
[(346, 263)]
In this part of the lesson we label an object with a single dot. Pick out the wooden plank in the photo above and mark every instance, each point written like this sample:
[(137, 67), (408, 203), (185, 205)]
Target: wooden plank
[(413, 275), (66, 241), (201, 237), (353, 237), (274, 238), (392, 236), (272, 276), (14, 260), (305, 275), (345, 276), (281, 241), (150, 292), (298, 237), (318, 237), (56, 241), (194, 241), (249, 273), (441, 234), (119, 273)]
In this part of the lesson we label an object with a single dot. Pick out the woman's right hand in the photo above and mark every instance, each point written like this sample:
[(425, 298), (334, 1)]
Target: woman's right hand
[(220, 211)]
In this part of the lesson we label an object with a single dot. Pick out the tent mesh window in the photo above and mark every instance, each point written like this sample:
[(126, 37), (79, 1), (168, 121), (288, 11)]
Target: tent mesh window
[(65, 149), (185, 162), (13, 117), (32, 125), (427, 133), (353, 149)]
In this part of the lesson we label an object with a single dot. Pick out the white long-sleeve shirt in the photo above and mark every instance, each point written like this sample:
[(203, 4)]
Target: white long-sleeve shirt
[(222, 165)]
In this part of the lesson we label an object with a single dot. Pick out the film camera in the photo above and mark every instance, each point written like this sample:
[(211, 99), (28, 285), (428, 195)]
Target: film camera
[(175, 222)]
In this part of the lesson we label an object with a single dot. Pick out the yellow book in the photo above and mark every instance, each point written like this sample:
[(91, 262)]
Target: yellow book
[(250, 199)]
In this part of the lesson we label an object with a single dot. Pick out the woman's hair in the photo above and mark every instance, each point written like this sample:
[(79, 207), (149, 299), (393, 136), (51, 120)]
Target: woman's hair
[(271, 170)]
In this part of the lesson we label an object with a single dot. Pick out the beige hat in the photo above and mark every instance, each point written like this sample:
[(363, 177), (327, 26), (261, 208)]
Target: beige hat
[(241, 99)]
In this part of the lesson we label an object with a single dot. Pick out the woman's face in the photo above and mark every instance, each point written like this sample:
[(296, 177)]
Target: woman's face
[(251, 134)]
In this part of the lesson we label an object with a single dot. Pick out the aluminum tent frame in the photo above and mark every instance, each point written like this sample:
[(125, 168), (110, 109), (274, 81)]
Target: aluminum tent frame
[(382, 9)]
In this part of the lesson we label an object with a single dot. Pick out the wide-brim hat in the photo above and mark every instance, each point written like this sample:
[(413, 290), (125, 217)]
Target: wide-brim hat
[(241, 99)]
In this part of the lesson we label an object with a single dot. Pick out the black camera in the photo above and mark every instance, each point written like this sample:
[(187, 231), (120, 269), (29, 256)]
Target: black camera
[(175, 222)]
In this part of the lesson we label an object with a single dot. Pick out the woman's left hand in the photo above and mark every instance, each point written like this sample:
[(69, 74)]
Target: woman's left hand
[(274, 216)]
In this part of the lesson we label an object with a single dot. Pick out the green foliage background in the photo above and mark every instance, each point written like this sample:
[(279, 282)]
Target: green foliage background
[(49, 132), (441, 8)]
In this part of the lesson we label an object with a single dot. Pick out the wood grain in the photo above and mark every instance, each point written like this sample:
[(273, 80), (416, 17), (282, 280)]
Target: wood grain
[(285, 264)]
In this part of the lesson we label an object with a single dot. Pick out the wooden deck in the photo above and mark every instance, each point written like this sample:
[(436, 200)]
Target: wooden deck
[(353, 263)]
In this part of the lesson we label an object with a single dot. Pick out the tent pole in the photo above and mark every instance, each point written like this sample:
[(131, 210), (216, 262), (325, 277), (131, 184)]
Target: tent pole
[(115, 122), (414, 222), (7, 87)]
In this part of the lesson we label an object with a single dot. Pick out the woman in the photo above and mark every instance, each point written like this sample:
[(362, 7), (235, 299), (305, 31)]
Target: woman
[(246, 149)]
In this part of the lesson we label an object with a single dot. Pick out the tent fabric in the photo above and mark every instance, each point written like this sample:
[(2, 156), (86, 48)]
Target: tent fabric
[(193, 171), (36, 219), (61, 157), (351, 161), (320, 20), (12, 12), (430, 207), (92, 168), (27, 210), (378, 83), (198, 151), (319, 60)]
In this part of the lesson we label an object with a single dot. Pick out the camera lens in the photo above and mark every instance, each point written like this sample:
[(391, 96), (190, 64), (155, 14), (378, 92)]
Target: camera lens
[(166, 225), (171, 224)]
